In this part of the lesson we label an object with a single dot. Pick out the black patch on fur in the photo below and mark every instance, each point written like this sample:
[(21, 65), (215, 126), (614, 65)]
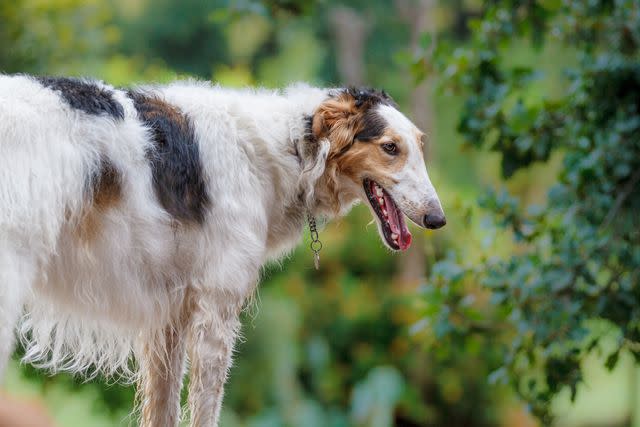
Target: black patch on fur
[(367, 97), (85, 96), (374, 126), (308, 128), (178, 175)]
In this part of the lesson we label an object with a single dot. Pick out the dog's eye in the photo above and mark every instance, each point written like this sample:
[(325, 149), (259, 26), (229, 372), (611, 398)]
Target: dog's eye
[(390, 148)]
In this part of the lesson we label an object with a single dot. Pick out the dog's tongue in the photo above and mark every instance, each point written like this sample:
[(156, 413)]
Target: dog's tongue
[(397, 224), (404, 241)]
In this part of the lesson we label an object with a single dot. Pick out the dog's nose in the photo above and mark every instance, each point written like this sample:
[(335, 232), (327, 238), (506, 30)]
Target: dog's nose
[(434, 220)]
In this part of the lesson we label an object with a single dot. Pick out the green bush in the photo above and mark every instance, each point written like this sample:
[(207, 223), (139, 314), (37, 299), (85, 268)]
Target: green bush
[(576, 256)]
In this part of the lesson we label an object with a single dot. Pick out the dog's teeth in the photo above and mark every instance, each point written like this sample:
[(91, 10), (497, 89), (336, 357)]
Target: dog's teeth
[(381, 201), (378, 191), (384, 212), (394, 236)]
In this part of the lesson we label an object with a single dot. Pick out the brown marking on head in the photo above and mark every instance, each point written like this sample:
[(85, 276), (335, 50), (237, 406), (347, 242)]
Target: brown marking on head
[(105, 193), (369, 158), (346, 115), (357, 133)]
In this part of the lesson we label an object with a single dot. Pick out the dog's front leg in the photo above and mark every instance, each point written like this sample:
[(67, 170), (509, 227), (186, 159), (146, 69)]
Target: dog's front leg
[(215, 325)]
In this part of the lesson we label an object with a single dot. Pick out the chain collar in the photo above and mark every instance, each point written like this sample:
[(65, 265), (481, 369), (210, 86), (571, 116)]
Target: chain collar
[(316, 244)]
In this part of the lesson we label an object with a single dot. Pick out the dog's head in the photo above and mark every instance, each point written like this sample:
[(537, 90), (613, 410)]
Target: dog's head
[(375, 155)]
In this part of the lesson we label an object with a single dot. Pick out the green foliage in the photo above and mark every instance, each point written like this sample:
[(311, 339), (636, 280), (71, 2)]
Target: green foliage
[(178, 33), (577, 257), (35, 34)]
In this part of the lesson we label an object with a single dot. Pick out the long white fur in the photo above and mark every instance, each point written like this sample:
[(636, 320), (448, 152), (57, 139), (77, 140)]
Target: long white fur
[(99, 306)]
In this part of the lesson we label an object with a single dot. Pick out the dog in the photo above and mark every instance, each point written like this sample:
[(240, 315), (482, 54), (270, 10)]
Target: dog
[(134, 223)]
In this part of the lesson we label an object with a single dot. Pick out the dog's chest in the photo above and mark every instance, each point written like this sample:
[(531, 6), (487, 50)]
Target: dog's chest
[(285, 230)]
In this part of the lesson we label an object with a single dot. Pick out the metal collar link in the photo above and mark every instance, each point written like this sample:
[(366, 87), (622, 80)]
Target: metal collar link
[(316, 244)]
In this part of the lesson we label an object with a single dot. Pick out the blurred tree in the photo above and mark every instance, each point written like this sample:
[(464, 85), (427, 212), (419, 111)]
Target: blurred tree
[(577, 257), (420, 17), (182, 34), (350, 29), (41, 37)]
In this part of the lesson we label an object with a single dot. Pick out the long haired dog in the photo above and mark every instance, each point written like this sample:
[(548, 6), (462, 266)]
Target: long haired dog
[(134, 223)]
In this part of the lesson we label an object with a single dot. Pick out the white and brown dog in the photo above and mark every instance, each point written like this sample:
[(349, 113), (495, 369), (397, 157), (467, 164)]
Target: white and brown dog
[(134, 223)]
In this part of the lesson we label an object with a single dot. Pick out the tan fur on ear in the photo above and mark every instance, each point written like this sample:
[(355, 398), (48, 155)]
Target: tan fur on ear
[(337, 119)]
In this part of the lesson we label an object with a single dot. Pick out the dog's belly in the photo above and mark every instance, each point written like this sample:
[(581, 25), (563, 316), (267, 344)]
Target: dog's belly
[(111, 274)]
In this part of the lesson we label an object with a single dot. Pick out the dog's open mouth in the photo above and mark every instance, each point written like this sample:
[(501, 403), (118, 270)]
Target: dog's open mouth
[(393, 227)]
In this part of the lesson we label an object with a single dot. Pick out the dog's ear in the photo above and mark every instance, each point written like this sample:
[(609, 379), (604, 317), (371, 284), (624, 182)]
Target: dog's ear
[(314, 162), (337, 119), (331, 113)]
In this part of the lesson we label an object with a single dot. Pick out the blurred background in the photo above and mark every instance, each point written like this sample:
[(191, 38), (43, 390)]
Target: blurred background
[(522, 311)]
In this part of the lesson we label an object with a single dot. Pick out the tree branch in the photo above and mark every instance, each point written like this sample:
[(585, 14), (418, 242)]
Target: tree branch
[(626, 191)]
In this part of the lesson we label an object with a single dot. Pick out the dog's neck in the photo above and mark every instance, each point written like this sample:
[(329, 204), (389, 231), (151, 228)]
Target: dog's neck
[(312, 191)]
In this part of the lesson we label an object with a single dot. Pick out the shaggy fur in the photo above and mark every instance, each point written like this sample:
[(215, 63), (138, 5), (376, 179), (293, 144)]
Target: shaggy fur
[(134, 224)]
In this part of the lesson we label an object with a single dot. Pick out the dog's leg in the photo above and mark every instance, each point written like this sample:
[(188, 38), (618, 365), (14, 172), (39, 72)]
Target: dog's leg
[(162, 372), (17, 272), (215, 325)]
